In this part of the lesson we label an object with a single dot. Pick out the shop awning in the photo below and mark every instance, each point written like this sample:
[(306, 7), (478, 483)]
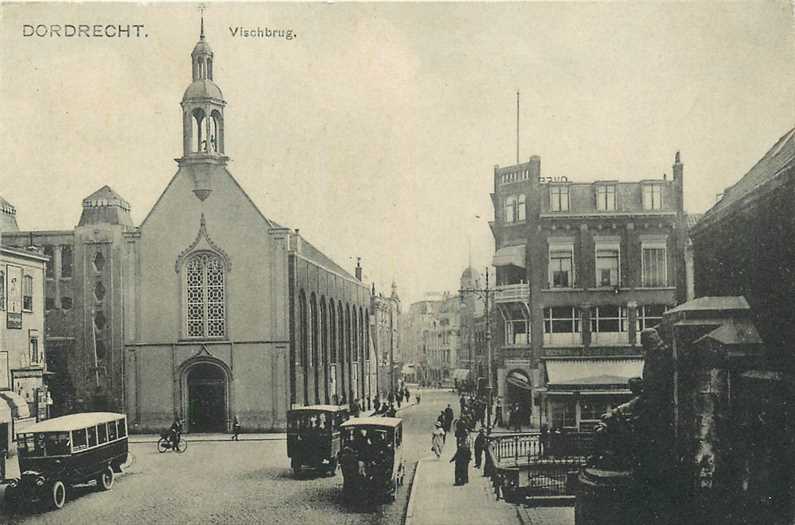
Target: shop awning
[(510, 255), (592, 374), (18, 405), (519, 380), (460, 374)]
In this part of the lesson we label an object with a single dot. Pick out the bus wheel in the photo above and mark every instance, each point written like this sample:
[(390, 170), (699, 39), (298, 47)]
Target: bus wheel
[(105, 480), (296, 466), (57, 494)]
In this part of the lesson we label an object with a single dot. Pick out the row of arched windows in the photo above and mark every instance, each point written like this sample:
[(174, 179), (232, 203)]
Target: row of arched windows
[(515, 208), (330, 333)]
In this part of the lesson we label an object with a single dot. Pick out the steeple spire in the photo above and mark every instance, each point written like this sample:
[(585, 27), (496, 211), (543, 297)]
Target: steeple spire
[(201, 9)]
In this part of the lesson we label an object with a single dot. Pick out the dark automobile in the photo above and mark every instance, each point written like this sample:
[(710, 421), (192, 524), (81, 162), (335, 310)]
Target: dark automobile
[(64, 451), (372, 458), (313, 436)]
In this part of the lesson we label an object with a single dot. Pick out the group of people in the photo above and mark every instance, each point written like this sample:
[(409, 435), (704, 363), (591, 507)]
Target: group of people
[(463, 427), (388, 407)]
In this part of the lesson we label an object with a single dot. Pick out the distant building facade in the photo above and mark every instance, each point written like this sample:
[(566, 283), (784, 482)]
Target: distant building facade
[(416, 322), (386, 333), (581, 269)]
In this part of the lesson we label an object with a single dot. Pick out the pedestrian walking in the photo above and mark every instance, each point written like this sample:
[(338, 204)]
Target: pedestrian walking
[(516, 418), (437, 440), (417, 397), (236, 429), (408, 395), (462, 457), (480, 447), (449, 416)]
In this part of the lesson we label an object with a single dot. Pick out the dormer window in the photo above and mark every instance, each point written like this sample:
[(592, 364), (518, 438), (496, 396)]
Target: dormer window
[(652, 196), (606, 197), (559, 197)]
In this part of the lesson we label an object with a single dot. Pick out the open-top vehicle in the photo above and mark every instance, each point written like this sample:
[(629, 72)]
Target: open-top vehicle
[(64, 451), (313, 436), (371, 458)]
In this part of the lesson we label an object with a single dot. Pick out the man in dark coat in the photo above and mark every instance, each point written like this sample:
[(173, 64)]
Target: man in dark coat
[(449, 416), (480, 447), (498, 414), (462, 457)]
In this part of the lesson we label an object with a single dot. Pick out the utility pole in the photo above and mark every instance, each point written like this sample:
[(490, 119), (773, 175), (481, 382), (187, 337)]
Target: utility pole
[(485, 293)]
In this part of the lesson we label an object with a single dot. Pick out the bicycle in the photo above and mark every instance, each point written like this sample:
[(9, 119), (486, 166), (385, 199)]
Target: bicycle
[(165, 443)]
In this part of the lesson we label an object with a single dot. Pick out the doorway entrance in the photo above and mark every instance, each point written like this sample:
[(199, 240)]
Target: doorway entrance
[(518, 393), (206, 398)]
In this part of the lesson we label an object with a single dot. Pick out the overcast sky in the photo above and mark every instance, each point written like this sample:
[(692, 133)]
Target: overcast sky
[(375, 130)]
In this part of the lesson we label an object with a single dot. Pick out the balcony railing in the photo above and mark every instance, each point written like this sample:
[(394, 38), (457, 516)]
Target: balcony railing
[(513, 293)]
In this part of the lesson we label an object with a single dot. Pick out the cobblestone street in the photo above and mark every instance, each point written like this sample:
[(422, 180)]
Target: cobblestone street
[(235, 482)]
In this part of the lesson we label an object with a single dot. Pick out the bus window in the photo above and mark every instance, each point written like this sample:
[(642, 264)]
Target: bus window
[(102, 433), (79, 441), (111, 431), (31, 445), (57, 443), (122, 424), (398, 435), (92, 436)]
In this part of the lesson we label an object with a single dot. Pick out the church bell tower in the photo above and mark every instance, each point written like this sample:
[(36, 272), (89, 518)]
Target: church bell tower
[(203, 148)]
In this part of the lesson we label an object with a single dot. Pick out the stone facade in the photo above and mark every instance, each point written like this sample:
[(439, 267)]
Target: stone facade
[(208, 309)]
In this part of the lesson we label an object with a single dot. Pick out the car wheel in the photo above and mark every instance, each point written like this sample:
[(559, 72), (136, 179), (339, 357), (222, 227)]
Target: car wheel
[(162, 445), (57, 494), (105, 480)]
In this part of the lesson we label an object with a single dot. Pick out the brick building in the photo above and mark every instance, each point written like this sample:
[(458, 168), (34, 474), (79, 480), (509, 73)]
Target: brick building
[(582, 268)]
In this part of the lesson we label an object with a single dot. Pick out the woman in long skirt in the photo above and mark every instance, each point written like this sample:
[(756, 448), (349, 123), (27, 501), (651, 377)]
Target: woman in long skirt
[(437, 440)]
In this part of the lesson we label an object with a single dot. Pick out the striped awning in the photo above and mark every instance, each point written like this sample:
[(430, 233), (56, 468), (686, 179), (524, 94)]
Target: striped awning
[(594, 373), (519, 380), (510, 255)]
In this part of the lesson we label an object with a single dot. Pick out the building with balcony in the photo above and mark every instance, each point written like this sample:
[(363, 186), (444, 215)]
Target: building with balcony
[(582, 268), (385, 327)]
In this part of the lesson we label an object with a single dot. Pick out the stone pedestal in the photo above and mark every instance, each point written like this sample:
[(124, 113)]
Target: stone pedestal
[(604, 498)]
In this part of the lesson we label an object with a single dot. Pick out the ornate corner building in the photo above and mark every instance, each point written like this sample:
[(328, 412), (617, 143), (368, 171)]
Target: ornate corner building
[(582, 268)]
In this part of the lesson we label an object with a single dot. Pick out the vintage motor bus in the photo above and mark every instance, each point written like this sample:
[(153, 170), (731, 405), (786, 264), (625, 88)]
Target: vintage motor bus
[(313, 436), (371, 459), (64, 451)]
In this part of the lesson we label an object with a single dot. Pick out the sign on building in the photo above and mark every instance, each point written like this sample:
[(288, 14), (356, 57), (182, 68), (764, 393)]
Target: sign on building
[(14, 307)]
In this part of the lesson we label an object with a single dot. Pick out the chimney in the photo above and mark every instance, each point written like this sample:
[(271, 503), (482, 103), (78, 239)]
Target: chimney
[(679, 182), (535, 167), (359, 268)]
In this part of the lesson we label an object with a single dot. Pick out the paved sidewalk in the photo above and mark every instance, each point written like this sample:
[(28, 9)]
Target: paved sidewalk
[(546, 515), (435, 500)]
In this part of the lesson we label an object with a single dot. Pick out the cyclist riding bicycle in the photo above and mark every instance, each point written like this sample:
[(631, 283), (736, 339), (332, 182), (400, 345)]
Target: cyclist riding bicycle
[(175, 432)]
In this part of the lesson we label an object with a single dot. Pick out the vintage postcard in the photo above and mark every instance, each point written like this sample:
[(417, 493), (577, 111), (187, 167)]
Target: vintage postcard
[(397, 263)]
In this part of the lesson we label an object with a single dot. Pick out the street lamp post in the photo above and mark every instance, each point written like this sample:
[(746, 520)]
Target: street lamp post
[(485, 293)]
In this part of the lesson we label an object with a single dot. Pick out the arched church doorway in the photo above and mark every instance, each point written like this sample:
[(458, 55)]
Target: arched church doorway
[(518, 392), (207, 387)]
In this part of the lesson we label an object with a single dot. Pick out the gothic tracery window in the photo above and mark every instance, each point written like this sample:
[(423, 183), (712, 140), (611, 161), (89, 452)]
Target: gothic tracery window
[(205, 306)]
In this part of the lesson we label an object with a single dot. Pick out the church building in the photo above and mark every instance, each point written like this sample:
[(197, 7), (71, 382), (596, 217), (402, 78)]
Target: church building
[(208, 309)]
